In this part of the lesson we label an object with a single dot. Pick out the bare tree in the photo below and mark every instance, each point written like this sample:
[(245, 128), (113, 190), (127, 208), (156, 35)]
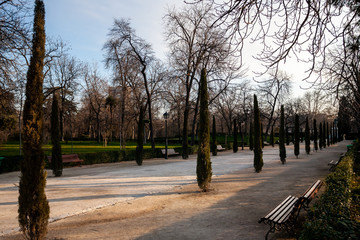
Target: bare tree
[(96, 92), (343, 72), (64, 73), (303, 29), (195, 44), (123, 40), (14, 36), (273, 92)]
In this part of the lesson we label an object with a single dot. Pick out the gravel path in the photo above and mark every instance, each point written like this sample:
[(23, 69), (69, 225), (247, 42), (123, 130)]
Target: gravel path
[(163, 195)]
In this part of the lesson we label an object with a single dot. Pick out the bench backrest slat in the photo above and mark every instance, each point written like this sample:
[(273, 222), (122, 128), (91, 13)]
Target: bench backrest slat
[(312, 189)]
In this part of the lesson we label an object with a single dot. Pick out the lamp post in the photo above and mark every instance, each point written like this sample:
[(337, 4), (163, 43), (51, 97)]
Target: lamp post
[(166, 115)]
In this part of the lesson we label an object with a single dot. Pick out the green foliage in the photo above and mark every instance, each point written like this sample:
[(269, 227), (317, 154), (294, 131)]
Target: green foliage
[(331, 216), (56, 158), (235, 143), (7, 123), (10, 164), (327, 134), (320, 136), (282, 148), (33, 206), (307, 136), (297, 136), (251, 137), (315, 135), (203, 167), (258, 154), (140, 138), (324, 135), (214, 142)]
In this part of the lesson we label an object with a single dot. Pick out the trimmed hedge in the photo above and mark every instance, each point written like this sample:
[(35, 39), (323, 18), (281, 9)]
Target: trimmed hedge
[(331, 216), (10, 164)]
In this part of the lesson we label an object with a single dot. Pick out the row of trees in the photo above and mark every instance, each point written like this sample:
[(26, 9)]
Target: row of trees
[(142, 84)]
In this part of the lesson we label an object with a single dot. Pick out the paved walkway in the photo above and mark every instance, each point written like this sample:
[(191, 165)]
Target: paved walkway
[(83, 189)]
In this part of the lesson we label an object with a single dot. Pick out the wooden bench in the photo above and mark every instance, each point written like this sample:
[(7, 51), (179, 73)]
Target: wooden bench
[(68, 158), (309, 194), (220, 148), (284, 215), (334, 163), (171, 152)]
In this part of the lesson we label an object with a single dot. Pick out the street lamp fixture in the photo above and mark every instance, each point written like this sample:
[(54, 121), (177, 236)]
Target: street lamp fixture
[(166, 116)]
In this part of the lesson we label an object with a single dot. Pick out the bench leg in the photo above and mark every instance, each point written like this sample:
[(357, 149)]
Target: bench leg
[(271, 230)]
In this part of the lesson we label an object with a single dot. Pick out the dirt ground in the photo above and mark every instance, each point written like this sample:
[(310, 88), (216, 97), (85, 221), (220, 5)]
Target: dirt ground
[(230, 211)]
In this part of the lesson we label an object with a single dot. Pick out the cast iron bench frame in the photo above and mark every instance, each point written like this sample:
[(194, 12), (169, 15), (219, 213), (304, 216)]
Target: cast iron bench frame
[(284, 215), (334, 163)]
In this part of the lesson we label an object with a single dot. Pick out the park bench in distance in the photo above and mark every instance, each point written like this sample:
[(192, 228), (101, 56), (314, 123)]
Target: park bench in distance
[(220, 148), (68, 158), (171, 152), (284, 215), (334, 163)]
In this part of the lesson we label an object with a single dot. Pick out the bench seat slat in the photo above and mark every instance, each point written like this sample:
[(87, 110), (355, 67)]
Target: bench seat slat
[(289, 201), (286, 211)]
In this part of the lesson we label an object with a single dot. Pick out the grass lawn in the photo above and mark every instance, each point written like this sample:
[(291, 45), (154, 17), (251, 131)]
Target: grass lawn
[(12, 148)]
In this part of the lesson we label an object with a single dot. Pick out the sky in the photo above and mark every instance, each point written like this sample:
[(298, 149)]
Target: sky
[(84, 25)]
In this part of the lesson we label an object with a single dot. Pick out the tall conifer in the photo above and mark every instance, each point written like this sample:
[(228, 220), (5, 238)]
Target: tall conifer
[(307, 136), (203, 167), (320, 136), (33, 205), (251, 136), (324, 135), (282, 148), (235, 143), (297, 136), (56, 159), (258, 154), (315, 135), (327, 134)]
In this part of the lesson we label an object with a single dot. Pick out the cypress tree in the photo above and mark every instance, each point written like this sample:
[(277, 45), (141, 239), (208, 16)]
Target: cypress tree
[(251, 136), (258, 154), (324, 135), (327, 134), (33, 205), (315, 135), (203, 167), (235, 144), (56, 159), (320, 136), (307, 136), (140, 139), (214, 142), (297, 136), (242, 137), (272, 142), (282, 148)]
